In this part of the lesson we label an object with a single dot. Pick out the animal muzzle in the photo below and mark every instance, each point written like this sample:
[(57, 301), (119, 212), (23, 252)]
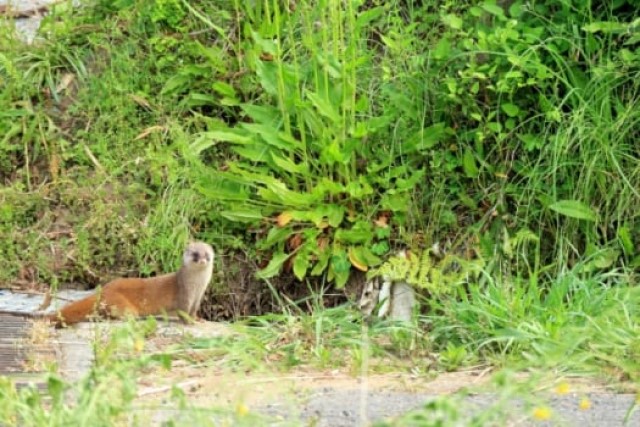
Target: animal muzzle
[(200, 259)]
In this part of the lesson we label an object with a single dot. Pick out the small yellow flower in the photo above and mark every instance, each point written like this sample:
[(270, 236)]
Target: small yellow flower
[(585, 403), (138, 345), (542, 413), (563, 388), (242, 410)]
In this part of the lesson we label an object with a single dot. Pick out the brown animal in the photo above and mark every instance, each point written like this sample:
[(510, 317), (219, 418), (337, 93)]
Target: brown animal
[(175, 293)]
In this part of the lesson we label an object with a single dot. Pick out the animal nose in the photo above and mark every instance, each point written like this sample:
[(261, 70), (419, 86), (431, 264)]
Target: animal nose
[(199, 258)]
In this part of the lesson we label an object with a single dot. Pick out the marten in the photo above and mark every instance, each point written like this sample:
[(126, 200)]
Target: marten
[(175, 293)]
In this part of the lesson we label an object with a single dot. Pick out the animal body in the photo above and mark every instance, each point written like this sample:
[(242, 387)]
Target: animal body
[(175, 293)]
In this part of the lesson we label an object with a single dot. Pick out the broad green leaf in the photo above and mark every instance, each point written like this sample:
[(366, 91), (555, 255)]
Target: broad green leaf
[(606, 27), (322, 262), (224, 89), (395, 202), (495, 126), (254, 152), (267, 46), (273, 267), (573, 209), (271, 136), (469, 164), (288, 165), (176, 84), (327, 186), (397, 171), (410, 183), (263, 114), (314, 123), (452, 21), (220, 189), (334, 214), (507, 248), (16, 112), (467, 201), (493, 9), (510, 110), (300, 215), (316, 217), (268, 77), (242, 215), (514, 74), (361, 232), (476, 11), (516, 9), (374, 124), (276, 235), (606, 258), (324, 106), (341, 278), (624, 236), (329, 64), (424, 139), (359, 190), (237, 173), (332, 154), (443, 49), (531, 141), (339, 267), (365, 17), (228, 135), (199, 99), (356, 260), (380, 248), (362, 258), (301, 264), (55, 387), (602, 260), (199, 144), (278, 192)]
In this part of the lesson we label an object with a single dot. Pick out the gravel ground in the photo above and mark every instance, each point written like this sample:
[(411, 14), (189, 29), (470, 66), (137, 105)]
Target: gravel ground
[(341, 408)]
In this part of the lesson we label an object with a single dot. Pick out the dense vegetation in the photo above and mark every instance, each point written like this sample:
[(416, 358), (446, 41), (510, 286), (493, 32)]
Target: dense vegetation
[(319, 137)]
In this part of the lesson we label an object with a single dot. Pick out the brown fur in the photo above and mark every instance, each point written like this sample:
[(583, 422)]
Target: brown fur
[(174, 293)]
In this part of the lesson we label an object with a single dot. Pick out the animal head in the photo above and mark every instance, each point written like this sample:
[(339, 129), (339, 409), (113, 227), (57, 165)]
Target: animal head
[(198, 253)]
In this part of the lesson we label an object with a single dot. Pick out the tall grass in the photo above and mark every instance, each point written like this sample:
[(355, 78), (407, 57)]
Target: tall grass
[(574, 323), (591, 156)]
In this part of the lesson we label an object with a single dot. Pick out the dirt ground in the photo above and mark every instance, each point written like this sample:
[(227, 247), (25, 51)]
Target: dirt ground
[(330, 397), (335, 397)]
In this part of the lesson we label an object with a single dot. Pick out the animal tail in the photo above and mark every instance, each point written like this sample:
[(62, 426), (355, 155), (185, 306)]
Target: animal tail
[(76, 311)]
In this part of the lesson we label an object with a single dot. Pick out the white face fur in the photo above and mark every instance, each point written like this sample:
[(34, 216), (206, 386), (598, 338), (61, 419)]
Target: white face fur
[(198, 253)]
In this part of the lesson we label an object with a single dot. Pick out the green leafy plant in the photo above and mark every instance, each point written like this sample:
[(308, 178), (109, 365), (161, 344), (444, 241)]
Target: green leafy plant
[(310, 159), (423, 270)]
